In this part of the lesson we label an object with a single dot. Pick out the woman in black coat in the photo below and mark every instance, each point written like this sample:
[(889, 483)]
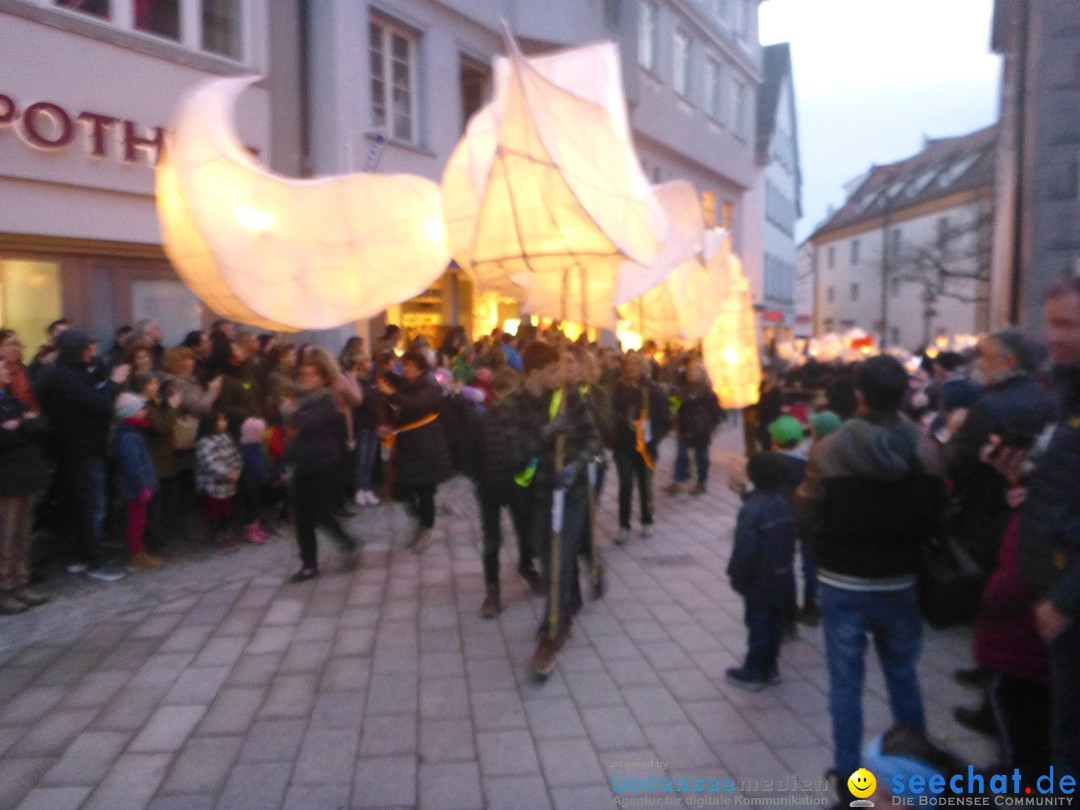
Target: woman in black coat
[(22, 478), (316, 453), (421, 458)]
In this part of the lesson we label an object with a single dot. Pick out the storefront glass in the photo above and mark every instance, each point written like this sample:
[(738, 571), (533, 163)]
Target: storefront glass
[(29, 297)]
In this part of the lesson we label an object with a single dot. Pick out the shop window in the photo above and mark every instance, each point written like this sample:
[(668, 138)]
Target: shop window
[(95, 8), (170, 303), (160, 17), (29, 298), (221, 25)]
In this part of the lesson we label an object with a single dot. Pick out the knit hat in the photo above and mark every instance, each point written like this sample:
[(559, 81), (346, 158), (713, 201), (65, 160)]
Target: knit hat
[(786, 429), (252, 430), (824, 422), (128, 404)]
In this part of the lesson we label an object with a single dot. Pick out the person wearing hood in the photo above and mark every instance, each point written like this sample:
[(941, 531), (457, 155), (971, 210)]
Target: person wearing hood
[(873, 493), (79, 412)]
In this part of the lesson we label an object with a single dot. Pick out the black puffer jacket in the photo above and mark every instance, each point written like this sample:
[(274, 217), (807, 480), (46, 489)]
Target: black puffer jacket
[(22, 466), (503, 447), (422, 454), (698, 415), (760, 569), (79, 412), (1049, 545), (319, 441)]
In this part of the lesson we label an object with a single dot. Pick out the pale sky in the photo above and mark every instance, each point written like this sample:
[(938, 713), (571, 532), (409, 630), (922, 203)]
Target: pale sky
[(872, 77)]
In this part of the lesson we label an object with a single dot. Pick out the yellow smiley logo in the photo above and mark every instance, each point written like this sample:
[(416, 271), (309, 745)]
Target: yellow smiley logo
[(861, 783)]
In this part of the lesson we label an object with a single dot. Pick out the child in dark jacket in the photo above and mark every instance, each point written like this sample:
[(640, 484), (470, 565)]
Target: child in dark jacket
[(502, 452), (760, 569), (136, 477)]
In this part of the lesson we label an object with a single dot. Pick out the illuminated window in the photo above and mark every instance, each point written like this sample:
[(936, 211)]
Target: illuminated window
[(393, 93), (708, 208), (29, 298)]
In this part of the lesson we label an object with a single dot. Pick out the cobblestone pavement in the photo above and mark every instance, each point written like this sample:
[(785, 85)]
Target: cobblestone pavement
[(213, 683)]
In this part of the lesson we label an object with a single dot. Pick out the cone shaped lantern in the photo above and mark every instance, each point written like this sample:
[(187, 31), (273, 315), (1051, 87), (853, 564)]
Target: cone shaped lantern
[(544, 197), (288, 254)]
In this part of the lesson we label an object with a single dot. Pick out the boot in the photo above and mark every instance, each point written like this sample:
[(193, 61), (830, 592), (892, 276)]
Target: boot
[(492, 606), (599, 584), (534, 581), (542, 662)]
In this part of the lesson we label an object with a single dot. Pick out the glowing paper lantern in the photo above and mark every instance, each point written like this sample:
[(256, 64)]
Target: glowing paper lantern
[(544, 196), (688, 302), (730, 350), (289, 254)]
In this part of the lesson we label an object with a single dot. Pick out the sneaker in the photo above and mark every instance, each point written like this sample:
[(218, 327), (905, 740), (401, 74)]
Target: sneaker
[(105, 573), (77, 568), (646, 531), (542, 662), (373, 499), (740, 677), (698, 489), (262, 532), (672, 489), (622, 536), (361, 497), (534, 581), (304, 574)]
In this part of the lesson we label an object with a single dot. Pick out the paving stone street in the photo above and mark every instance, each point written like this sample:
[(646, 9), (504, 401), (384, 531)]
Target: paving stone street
[(214, 683)]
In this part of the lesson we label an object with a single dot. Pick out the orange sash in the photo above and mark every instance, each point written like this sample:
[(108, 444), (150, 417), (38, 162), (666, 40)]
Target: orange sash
[(390, 439)]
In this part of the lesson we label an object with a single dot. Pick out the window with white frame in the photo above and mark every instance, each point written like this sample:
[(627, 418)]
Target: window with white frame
[(613, 12), (393, 80), (739, 102), (720, 9), (647, 27), (680, 54), (209, 26), (749, 8), (713, 100)]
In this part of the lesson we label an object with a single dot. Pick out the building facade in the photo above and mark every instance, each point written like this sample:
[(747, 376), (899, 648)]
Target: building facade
[(393, 83), (80, 134), (774, 203), (1037, 199), (907, 256)]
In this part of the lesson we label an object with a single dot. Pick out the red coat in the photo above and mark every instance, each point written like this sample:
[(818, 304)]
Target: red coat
[(1006, 639)]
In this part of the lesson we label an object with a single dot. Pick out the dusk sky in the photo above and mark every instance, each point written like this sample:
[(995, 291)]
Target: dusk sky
[(873, 77)]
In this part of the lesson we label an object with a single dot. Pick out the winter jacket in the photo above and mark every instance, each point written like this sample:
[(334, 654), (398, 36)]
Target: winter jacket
[(422, 453), (581, 444), (1018, 404), (1006, 639), (761, 568), (20, 387), (598, 398), (134, 466), (159, 436), (217, 457), (502, 447), (1049, 549), (256, 472), (698, 415), (195, 400), (318, 433), (79, 411), (627, 402), (22, 465), (873, 493)]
